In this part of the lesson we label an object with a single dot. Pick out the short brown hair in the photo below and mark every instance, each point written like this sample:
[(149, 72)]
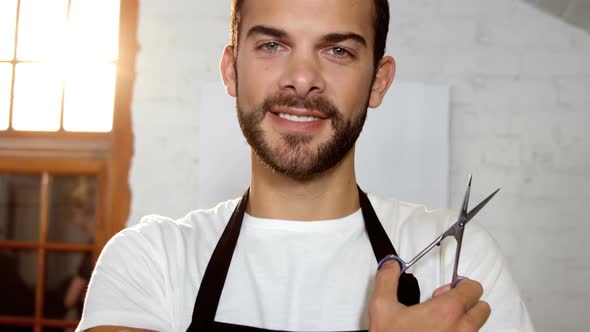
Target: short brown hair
[(380, 24)]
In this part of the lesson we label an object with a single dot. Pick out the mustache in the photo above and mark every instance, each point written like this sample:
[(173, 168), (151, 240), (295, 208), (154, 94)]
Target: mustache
[(319, 104)]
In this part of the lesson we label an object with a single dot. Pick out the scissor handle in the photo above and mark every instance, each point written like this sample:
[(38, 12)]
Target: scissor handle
[(403, 266)]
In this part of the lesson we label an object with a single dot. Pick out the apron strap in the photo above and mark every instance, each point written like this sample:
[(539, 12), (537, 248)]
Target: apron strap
[(214, 278), (408, 290), (216, 272)]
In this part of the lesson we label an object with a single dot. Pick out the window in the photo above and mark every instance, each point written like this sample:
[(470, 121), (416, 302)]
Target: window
[(66, 78), (47, 229), (58, 64)]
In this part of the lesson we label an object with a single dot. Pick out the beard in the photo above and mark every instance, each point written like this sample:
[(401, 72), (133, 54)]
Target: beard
[(293, 155)]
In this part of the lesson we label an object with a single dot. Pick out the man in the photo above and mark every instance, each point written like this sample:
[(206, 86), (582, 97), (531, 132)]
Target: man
[(299, 251)]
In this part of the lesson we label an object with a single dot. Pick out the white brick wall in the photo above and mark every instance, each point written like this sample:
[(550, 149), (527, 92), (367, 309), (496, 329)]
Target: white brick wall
[(521, 83)]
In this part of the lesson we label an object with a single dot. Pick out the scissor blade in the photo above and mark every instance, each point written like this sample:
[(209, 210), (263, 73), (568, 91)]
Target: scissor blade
[(466, 198), (480, 206)]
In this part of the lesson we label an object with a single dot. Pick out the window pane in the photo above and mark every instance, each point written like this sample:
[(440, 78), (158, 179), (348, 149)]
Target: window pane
[(42, 27), (17, 282), (89, 98), (37, 97), (20, 197), (94, 29), (7, 26), (5, 80), (66, 281), (72, 213)]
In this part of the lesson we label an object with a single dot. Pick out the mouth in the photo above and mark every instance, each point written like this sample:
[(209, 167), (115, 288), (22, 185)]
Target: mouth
[(300, 121), (299, 114)]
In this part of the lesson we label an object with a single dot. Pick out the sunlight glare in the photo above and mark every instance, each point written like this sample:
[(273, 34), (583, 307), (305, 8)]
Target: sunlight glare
[(78, 53), (37, 97), (7, 26), (93, 32), (90, 97), (42, 28), (5, 80)]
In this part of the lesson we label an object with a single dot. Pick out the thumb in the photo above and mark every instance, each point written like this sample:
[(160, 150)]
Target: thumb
[(387, 280)]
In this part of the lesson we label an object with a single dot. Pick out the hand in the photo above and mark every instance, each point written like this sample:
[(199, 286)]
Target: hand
[(458, 309)]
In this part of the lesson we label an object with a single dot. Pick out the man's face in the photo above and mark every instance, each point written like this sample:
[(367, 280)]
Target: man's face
[(303, 80)]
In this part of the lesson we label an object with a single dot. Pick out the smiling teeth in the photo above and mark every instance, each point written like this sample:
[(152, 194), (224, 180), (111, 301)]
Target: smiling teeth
[(297, 118)]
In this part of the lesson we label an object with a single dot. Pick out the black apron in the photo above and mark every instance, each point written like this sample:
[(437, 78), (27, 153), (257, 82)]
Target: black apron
[(214, 278)]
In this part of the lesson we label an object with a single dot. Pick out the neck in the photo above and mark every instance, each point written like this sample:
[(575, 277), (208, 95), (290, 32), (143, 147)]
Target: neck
[(330, 195)]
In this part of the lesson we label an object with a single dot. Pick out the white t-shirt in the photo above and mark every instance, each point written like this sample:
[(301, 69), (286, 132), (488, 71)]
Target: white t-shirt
[(285, 275)]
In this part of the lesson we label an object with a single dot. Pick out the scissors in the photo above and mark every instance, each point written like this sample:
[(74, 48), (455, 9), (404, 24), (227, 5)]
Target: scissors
[(456, 230)]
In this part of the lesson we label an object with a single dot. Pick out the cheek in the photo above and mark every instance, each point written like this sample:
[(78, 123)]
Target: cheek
[(255, 82), (351, 90)]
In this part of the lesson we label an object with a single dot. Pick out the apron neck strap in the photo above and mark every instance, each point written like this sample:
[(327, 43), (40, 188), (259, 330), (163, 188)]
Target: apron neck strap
[(380, 242), (216, 273)]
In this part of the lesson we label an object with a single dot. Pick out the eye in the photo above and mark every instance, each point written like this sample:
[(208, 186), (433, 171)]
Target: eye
[(340, 52), (271, 47)]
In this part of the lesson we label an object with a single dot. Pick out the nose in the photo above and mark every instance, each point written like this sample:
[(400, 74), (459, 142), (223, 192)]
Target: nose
[(302, 76)]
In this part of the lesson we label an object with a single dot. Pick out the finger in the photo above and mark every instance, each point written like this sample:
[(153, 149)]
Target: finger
[(468, 292), (478, 314), (441, 290), (453, 285), (386, 281)]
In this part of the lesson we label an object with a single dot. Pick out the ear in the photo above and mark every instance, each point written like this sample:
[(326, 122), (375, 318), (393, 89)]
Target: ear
[(228, 70), (383, 78)]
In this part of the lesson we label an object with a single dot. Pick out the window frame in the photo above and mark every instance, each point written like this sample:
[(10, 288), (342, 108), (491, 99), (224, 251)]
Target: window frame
[(47, 168), (116, 146), (106, 155), (61, 132)]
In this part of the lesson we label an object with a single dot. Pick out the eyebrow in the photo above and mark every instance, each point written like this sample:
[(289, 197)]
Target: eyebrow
[(327, 39), (340, 37), (268, 31)]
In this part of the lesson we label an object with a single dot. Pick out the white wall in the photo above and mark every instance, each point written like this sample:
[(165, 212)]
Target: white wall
[(520, 82)]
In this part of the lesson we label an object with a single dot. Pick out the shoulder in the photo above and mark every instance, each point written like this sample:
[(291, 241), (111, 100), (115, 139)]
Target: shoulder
[(160, 236), (152, 227), (413, 226), (401, 217), (146, 267), (417, 223)]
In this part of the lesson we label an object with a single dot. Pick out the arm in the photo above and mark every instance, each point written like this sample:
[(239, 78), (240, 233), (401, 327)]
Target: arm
[(75, 289), (128, 286)]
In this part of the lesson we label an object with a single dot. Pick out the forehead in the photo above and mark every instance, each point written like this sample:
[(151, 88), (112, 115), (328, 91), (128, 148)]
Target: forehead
[(310, 17)]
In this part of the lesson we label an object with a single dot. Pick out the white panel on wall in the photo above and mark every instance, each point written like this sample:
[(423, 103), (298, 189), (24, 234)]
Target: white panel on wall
[(403, 151), (224, 167)]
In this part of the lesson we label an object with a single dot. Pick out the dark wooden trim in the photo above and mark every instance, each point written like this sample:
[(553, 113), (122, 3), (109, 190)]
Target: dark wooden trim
[(58, 323), (102, 231), (71, 135), (14, 144), (28, 245), (25, 321), (14, 320), (122, 144), (52, 165), (41, 253)]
